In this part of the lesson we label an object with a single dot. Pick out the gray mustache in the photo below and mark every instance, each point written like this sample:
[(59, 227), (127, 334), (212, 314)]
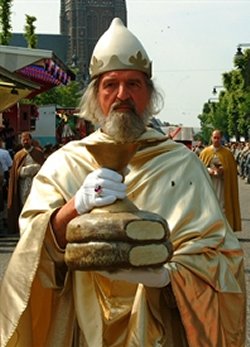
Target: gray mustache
[(123, 103)]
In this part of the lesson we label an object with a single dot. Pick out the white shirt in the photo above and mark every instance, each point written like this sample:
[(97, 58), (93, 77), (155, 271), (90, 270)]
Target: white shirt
[(5, 159)]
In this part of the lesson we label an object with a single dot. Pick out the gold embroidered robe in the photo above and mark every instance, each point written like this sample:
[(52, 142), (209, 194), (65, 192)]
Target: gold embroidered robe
[(40, 299), (230, 181)]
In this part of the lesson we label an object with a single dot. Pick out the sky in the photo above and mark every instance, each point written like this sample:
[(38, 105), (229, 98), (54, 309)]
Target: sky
[(191, 44)]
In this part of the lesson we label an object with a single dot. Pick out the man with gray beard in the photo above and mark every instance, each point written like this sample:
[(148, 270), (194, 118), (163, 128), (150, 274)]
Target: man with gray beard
[(195, 298), (123, 126)]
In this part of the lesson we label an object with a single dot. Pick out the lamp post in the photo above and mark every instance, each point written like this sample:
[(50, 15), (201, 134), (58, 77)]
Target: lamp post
[(242, 62), (239, 49), (239, 55), (215, 88)]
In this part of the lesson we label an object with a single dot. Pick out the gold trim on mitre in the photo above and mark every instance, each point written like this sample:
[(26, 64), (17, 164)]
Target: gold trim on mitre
[(119, 49)]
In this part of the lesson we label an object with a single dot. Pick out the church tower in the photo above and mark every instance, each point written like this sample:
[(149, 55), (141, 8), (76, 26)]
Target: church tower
[(84, 21)]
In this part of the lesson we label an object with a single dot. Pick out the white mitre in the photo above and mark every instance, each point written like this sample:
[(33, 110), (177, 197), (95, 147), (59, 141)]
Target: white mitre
[(119, 49)]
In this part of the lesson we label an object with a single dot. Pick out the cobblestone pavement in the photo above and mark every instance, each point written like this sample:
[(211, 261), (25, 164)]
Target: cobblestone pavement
[(8, 244)]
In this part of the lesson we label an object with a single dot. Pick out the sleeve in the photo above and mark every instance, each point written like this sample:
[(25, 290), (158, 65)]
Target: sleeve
[(29, 170), (52, 268)]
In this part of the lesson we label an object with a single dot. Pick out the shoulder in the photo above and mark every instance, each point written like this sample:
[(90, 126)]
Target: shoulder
[(7, 153), (226, 151), (73, 150), (20, 154), (37, 150), (206, 151)]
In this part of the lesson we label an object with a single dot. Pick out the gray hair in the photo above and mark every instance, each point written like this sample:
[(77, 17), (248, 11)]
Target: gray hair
[(90, 110)]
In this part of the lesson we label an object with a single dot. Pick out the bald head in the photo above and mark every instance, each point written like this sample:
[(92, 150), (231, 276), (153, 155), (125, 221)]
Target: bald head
[(216, 138)]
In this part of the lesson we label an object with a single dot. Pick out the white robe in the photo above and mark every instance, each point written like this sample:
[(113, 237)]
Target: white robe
[(206, 270)]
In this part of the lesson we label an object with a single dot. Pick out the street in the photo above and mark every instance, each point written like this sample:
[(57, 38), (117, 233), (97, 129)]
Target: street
[(244, 237), (7, 244)]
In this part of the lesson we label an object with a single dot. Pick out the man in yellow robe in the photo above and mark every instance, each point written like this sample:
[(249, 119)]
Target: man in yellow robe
[(197, 299), (222, 168)]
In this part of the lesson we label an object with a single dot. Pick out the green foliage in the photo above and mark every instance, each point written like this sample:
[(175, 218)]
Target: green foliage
[(231, 113), (244, 116), (5, 26), (206, 119), (29, 31), (233, 80), (242, 62), (64, 96)]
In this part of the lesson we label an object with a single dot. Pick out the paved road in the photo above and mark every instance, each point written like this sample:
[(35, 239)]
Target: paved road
[(8, 244), (244, 237)]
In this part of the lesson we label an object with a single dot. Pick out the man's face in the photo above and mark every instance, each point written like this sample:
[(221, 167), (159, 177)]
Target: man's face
[(216, 139), (123, 91), (26, 141)]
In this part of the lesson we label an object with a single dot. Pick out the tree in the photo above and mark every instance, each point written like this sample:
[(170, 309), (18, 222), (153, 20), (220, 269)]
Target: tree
[(29, 31), (231, 113), (5, 26), (207, 121), (238, 107), (244, 117), (63, 96)]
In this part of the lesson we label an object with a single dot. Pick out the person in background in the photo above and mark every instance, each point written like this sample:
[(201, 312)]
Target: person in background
[(243, 159), (222, 168), (26, 164), (6, 161), (1, 188), (198, 148), (236, 150), (36, 144), (6, 164), (247, 164), (8, 136), (196, 299)]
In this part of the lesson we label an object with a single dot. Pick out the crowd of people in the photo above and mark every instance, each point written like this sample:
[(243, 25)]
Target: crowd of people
[(222, 169), (18, 166), (239, 150), (241, 153), (197, 298), (5, 166)]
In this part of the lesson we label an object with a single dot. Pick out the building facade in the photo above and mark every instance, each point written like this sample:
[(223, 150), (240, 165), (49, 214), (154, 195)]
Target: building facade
[(53, 42), (83, 22)]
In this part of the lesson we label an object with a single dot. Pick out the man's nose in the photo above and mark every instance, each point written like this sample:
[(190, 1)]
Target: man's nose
[(123, 93)]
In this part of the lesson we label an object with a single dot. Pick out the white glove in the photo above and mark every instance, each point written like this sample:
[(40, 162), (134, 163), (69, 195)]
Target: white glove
[(101, 187), (157, 277)]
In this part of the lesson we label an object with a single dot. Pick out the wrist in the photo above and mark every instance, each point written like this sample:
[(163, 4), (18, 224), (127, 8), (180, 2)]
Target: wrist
[(60, 219), (79, 205)]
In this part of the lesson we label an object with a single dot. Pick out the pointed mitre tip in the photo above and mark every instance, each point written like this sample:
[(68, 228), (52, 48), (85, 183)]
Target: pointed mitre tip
[(117, 22)]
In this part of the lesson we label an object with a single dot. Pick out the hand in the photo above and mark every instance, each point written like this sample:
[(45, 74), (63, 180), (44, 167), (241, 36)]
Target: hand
[(210, 171), (220, 170), (150, 277), (101, 187)]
